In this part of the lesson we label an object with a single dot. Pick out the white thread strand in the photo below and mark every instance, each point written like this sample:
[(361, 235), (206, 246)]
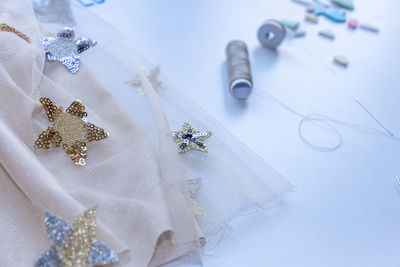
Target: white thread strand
[(374, 117), (327, 121)]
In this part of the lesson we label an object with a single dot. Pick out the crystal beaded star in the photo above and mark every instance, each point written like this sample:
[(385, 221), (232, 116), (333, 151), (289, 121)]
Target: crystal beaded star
[(69, 129), (190, 139), (76, 244), (66, 49)]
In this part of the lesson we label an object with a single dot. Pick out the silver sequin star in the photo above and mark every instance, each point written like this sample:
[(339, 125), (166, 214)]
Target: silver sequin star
[(152, 76), (66, 49)]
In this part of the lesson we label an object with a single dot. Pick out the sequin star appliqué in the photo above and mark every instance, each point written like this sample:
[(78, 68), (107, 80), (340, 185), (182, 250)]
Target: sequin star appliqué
[(190, 139), (69, 129), (75, 245), (66, 49)]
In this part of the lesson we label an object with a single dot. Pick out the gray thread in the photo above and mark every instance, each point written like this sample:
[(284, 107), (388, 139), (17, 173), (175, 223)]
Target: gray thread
[(238, 66)]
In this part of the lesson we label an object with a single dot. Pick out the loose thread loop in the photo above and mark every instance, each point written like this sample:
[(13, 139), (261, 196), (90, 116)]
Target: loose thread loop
[(328, 122)]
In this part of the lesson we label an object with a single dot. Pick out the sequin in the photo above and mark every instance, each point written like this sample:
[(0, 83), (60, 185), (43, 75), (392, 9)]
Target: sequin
[(51, 258), (190, 139), (102, 254), (69, 130), (66, 49), (58, 230), (152, 76), (75, 245), (5, 28)]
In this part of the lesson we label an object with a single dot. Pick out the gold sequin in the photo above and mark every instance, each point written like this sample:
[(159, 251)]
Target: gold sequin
[(5, 28), (77, 251), (69, 130)]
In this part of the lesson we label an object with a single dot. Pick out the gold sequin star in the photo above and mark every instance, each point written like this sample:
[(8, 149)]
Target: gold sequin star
[(69, 129), (190, 139)]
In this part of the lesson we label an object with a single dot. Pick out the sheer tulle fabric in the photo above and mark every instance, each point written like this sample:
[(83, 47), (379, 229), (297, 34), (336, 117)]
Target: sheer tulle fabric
[(135, 176)]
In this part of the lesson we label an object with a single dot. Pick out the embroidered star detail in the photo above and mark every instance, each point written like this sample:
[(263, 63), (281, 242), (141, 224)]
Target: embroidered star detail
[(69, 129), (152, 76), (190, 139), (194, 187), (66, 49), (76, 244)]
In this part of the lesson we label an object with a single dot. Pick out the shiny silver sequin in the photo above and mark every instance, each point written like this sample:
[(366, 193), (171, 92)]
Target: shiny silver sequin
[(51, 258), (102, 254), (58, 230), (66, 49)]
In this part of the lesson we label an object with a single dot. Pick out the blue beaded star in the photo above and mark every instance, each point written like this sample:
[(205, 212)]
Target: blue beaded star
[(65, 48)]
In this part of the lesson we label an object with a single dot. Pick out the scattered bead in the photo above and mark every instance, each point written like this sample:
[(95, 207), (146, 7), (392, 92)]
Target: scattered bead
[(311, 18), (341, 60), (310, 9), (327, 34), (303, 2), (293, 25), (344, 3), (368, 27), (352, 23), (330, 13), (299, 33)]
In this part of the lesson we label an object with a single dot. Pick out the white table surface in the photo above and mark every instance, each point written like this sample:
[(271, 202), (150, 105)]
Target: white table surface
[(346, 208)]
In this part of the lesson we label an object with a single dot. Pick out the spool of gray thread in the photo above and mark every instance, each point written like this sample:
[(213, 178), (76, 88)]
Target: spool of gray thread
[(240, 80), (271, 33)]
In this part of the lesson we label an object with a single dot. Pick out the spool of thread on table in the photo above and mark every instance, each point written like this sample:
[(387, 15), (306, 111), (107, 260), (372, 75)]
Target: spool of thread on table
[(271, 33), (240, 79)]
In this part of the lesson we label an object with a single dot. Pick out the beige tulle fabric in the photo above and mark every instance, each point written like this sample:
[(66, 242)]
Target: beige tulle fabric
[(135, 176)]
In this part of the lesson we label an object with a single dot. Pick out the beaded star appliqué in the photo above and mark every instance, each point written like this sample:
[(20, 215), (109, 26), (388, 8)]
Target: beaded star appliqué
[(76, 244), (152, 76), (66, 49), (190, 139), (69, 129)]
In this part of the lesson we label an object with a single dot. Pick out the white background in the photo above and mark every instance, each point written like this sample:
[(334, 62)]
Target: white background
[(346, 208)]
